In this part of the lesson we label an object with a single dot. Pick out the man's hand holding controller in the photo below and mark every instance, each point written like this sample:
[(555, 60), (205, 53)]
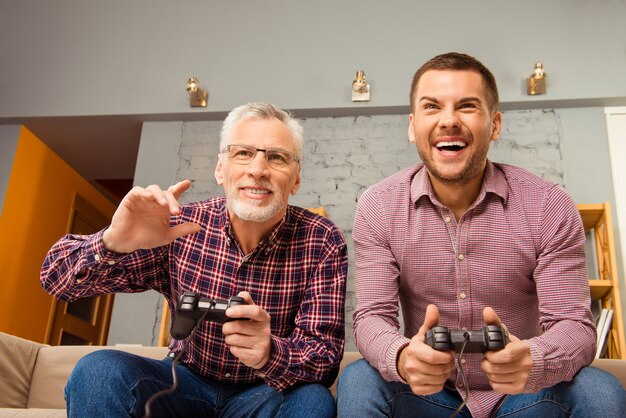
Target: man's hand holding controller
[(428, 360), (249, 339), (508, 369)]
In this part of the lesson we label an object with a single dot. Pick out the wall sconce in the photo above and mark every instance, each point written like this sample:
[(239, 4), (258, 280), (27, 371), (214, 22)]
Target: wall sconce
[(360, 88), (197, 96), (536, 83)]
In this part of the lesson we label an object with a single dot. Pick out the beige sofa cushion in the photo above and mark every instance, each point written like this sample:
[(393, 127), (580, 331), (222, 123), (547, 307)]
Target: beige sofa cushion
[(17, 360), (32, 413), (54, 365)]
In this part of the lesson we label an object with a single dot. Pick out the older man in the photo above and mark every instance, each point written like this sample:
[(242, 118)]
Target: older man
[(288, 264)]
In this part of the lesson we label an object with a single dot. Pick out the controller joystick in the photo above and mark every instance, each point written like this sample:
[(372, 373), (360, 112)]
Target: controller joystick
[(191, 307), (490, 338)]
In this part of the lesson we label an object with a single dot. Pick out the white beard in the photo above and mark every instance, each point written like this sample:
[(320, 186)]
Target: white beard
[(249, 210)]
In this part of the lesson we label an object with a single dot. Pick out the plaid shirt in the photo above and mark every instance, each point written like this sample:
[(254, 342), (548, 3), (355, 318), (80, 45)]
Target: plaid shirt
[(297, 273), (519, 249)]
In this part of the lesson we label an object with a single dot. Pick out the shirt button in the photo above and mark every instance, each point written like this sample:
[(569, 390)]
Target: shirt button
[(463, 328), (79, 281), (447, 219), (462, 295), (97, 257), (227, 375), (463, 361), (460, 384), (262, 375), (111, 262), (461, 257)]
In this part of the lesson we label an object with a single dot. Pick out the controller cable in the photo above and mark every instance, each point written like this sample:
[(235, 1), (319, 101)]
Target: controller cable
[(462, 372), (175, 362)]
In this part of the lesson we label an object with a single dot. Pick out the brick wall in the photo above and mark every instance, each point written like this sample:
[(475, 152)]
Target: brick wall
[(343, 156)]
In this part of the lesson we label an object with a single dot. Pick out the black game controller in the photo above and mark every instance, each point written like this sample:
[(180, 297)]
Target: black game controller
[(490, 338), (191, 307)]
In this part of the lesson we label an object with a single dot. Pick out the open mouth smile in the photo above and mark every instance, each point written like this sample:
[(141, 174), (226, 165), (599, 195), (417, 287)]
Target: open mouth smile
[(451, 146)]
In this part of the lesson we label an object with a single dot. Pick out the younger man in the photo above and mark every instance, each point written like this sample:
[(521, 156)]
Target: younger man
[(462, 242)]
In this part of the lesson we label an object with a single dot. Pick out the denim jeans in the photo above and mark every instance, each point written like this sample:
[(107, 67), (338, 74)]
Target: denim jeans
[(113, 383), (362, 392)]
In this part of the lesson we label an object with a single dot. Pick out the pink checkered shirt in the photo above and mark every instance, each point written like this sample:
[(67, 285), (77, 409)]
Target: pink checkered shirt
[(519, 249), (297, 273)]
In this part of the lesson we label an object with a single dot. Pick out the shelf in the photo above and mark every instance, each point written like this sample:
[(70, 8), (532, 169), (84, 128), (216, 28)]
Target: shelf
[(591, 215), (600, 289), (598, 225)]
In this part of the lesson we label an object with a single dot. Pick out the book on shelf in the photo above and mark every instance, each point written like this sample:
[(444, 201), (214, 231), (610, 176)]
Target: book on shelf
[(603, 328)]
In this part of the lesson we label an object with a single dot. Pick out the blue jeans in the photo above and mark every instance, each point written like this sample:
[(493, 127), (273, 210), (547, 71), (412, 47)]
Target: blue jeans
[(113, 383), (362, 392)]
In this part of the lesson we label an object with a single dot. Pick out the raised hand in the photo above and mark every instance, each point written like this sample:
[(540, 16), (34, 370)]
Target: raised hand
[(425, 369), (249, 338), (507, 369), (142, 220)]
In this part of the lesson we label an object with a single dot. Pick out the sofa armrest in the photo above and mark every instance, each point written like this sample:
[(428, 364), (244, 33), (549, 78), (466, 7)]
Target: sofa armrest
[(55, 363), (16, 369), (616, 367)]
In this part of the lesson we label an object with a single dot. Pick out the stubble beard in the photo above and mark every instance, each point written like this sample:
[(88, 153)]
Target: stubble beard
[(471, 168)]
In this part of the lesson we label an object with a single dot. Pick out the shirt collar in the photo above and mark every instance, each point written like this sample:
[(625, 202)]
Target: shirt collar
[(494, 182), (268, 242)]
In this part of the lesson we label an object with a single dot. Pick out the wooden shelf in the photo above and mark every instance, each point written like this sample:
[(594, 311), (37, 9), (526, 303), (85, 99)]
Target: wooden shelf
[(605, 288), (591, 215), (600, 289)]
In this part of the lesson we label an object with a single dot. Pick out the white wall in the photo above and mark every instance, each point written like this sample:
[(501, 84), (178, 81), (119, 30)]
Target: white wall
[(616, 126), (77, 57)]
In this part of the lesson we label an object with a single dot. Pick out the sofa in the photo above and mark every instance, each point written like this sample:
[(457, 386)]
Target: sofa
[(32, 375)]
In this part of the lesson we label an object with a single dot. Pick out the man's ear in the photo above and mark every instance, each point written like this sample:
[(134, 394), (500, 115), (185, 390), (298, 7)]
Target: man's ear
[(411, 133), (296, 185), (219, 176), (496, 126)]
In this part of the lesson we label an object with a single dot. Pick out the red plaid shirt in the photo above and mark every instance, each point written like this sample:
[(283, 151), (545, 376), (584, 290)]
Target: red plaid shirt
[(297, 273), (519, 249)]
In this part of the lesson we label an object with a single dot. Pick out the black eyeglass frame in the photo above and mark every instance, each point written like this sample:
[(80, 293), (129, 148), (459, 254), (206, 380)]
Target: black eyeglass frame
[(279, 151)]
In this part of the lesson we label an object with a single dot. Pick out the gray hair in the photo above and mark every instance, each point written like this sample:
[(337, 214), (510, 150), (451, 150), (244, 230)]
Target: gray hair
[(262, 111)]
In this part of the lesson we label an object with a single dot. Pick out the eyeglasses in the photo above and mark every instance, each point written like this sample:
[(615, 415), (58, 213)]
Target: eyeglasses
[(275, 157)]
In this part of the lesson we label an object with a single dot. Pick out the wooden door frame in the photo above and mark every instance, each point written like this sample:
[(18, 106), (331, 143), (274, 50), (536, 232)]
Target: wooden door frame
[(104, 305), (616, 131)]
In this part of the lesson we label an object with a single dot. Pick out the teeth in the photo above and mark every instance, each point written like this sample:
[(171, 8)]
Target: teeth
[(451, 144), (257, 191)]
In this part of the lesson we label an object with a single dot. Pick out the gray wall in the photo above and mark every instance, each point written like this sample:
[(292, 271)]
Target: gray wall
[(344, 155), (77, 57), (136, 317), (9, 134)]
